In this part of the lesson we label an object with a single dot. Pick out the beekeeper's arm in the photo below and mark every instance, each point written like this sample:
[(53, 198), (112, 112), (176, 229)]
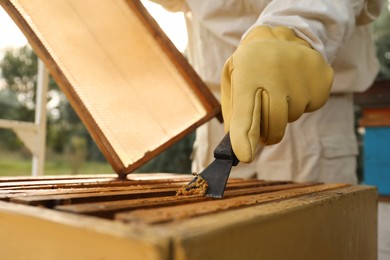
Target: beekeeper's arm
[(171, 5), (281, 68)]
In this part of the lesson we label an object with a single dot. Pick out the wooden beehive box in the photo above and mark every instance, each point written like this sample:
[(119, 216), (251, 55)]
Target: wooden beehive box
[(101, 217), (137, 95)]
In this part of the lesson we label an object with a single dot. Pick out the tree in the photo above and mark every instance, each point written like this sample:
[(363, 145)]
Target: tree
[(18, 95), (17, 102), (381, 32), (19, 70), (65, 131)]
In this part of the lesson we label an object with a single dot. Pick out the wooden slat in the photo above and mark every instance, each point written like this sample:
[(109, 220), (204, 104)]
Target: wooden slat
[(8, 194), (54, 200), (242, 184), (166, 214), (133, 176), (375, 117), (147, 199), (83, 183), (131, 190), (378, 95), (46, 189), (56, 177), (107, 181), (384, 199), (108, 209)]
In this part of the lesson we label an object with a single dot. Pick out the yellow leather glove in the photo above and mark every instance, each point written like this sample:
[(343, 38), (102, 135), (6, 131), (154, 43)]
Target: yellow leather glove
[(271, 79)]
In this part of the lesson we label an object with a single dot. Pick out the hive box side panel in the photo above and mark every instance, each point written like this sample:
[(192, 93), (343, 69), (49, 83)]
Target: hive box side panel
[(339, 224), (34, 233)]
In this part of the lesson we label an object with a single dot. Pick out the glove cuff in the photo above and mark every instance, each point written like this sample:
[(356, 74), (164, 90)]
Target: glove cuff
[(265, 33)]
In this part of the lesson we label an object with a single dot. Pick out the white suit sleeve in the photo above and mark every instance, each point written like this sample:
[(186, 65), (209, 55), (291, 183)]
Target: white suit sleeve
[(326, 25), (171, 5)]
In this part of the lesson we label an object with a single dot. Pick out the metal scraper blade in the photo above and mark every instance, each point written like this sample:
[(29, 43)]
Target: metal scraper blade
[(216, 176), (217, 173)]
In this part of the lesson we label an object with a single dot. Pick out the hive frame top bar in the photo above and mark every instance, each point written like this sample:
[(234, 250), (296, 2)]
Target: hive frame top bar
[(131, 87)]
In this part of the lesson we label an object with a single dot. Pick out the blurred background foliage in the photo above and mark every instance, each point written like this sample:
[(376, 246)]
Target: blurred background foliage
[(381, 34), (67, 138)]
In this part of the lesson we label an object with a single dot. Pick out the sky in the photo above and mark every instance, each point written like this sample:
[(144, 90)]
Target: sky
[(10, 35), (172, 23)]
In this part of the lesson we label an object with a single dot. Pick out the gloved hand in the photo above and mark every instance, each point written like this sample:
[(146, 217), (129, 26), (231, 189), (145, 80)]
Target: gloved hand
[(271, 79)]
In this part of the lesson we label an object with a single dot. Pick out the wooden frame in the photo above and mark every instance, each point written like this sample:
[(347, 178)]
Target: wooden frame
[(123, 155)]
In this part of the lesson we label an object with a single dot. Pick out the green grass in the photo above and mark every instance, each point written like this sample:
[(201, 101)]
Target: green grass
[(17, 165)]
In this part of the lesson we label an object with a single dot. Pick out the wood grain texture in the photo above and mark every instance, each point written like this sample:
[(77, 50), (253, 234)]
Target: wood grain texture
[(135, 93), (168, 214), (141, 218), (334, 224)]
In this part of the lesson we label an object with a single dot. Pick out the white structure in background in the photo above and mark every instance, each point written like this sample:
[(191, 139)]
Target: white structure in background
[(33, 135)]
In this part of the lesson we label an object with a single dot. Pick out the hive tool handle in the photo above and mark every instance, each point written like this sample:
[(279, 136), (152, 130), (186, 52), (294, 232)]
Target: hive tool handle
[(224, 150)]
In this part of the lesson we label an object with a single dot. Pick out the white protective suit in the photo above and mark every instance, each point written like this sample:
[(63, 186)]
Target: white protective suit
[(320, 146)]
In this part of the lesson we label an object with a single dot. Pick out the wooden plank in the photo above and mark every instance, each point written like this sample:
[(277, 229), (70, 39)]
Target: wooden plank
[(136, 190), (50, 184), (378, 95), (384, 199), (38, 233), (56, 177), (166, 214), (8, 194), (109, 181), (83, 183), (54, 200), (375, 117), (337, 224), (48, 189), (133, 176), (110, 208), (243, 184)]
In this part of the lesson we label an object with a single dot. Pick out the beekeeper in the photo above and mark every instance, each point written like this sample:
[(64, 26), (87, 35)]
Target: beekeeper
[(279, 59)]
